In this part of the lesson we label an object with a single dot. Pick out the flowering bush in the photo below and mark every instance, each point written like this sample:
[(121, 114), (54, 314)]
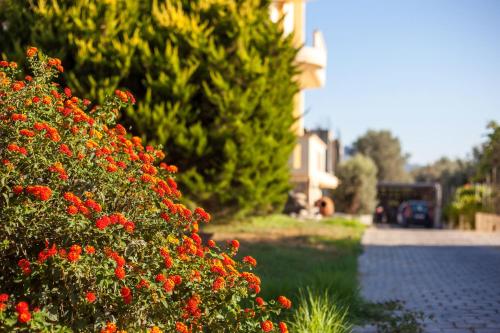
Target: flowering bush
[(92, 234)]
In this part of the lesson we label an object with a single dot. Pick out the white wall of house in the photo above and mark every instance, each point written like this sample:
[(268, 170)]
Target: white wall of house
[(308, 167), (309, 158)]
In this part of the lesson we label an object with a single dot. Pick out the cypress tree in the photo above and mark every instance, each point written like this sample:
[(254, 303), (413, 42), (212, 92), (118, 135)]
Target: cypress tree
[(215, 81)]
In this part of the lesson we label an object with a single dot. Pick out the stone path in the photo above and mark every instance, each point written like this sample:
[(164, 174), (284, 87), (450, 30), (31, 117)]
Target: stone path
[(453, 275)]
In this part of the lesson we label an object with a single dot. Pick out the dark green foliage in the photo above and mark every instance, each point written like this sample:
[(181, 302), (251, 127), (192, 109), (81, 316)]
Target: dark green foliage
[(357, 192), (489, 155), (489, 164), (385, 150), (214, 80)]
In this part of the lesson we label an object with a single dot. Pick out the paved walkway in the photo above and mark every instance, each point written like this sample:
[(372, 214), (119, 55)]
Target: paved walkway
[(453, 275)]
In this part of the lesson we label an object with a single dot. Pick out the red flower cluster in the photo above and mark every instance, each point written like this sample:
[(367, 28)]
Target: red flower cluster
[(27, 133), (47, 253), (15, 148), (169, 285), (126, 294), (104, 221), (3, 298), (192, 307), (23, 313), (120, 263), (63, 148), (90, 297), (202, 214), (235, 244)]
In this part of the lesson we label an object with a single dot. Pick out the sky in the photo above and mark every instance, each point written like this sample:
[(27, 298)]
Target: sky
[(428, 70)]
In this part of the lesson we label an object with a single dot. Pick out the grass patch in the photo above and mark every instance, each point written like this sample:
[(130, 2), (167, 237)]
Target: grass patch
[(317, 313), (294, 256), (314, 263)]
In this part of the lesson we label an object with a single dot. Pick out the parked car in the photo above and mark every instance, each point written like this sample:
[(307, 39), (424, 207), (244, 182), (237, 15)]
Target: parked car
[(415, 212)]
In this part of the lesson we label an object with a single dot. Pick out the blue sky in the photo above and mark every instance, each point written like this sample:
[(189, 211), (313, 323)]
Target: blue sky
[(428, 70)]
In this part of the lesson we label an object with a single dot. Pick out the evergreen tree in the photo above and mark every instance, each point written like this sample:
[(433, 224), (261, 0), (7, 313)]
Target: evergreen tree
[(214, 79)]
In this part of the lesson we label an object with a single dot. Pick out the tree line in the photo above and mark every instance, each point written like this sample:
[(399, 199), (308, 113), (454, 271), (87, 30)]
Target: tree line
[(377, 156)]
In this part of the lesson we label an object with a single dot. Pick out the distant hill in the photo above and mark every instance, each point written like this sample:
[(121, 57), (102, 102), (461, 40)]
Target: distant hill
[(409, 167)]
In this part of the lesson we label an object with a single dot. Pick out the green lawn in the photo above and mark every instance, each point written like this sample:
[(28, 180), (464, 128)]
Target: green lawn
[(294, 256)]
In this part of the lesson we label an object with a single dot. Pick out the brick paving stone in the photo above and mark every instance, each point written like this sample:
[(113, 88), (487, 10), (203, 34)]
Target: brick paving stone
[(452, 275)]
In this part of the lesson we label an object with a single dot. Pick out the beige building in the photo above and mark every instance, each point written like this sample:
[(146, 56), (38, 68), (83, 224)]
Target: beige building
[(312, 171)]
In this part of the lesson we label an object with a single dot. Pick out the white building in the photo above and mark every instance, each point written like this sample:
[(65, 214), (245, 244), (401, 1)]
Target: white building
[(312, 171)]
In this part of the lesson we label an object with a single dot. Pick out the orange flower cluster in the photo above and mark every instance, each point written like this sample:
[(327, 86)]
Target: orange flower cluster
[(181, 327), (56, 63), (78, 205), (125, 96), (267, 326), (218, 284), (74, 253), (18, 117), (40, 192), (250, 260), (111, 328), (283, 327), (57, 167), (4, 63), (202, 214), (50, 132), (285, 302), (31, 51), (253, 281)]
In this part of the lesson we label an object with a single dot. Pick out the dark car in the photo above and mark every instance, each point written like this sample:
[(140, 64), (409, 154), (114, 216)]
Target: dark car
[(415, 212)]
